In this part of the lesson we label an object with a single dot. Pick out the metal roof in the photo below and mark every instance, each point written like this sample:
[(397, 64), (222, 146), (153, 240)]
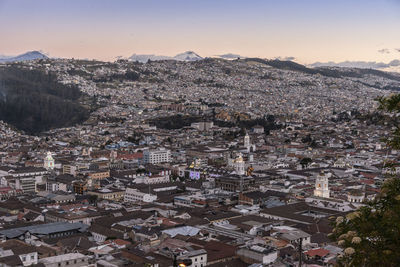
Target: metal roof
[(44, 229)]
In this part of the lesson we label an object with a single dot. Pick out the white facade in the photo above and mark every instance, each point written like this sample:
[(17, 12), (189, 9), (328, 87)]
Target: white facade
[(154, 179), (157, 179), (54, 187), (246, 143), (134, 195), (259, 254), (202, 126), (355, 198), (198, 257), (157, 156), (98, 238), (26, 184), (29, 259), (70, 260), (322, 186), (246, 140), (258, 129)]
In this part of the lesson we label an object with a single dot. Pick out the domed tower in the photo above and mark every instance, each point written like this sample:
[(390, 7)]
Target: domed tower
[(239, 165), (322, 186), (48, 163), (356, 196)]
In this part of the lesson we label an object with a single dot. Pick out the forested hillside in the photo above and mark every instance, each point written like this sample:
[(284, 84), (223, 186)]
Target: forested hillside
[(34, 101)]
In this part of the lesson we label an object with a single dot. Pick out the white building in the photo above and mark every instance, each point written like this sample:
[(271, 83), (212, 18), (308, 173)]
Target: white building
[(249, 147), (262, 254), (202, 126), (26, 253), (356, 196), (198, 257), (134, 195), (258, 129), (153, 179), (246, 140), (155, 156), (24, 178), (322, 185), (156, 179)]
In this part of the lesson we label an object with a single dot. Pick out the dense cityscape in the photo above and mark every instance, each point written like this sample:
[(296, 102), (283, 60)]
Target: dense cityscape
[(218, 162), (176, 133)]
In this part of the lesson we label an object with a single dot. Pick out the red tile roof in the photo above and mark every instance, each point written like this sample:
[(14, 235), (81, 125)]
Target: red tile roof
[(317, 252), (367, 181), (129, 156)]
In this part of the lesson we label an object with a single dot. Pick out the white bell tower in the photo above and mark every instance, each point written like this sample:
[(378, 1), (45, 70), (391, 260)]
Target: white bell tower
[(322, 186), (48, 163), (246, 140)]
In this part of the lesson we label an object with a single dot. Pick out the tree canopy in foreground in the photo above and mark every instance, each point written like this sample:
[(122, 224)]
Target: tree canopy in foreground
[(371, 235)]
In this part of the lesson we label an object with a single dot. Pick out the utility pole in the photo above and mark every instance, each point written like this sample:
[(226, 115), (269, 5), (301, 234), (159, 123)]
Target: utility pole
[(300, 251), (175, 261)]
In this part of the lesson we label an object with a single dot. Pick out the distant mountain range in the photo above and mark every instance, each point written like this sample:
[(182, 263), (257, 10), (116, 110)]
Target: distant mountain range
[(334, 72), (393, 65), (186, 56), (32, 55), (229, 56)]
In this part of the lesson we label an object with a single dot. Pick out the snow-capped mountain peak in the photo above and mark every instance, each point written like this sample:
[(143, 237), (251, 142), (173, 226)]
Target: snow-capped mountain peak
[(188, 56), (185, 56), (31, 55)]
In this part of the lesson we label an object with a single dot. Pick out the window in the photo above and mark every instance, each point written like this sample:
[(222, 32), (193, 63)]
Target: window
[(32, 257), (23, 258)]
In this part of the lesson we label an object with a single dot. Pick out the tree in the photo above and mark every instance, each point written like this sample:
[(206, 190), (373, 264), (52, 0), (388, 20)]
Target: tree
[(93, 199), (392, 104), (173, 177), (35, 101), (307, 139), (371, 235), (305, 162)]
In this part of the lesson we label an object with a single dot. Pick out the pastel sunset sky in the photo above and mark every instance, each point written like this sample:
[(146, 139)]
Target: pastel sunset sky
[(309, 30)]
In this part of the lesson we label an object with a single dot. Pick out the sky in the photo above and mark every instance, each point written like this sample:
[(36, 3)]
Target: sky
[(308, 30)]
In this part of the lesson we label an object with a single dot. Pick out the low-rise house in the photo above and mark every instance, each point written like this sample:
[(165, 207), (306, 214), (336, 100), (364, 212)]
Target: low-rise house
[(70, 260), (258, 254), (114, 194), (27, 254), (100, 233), (134, 195), (198, 257)]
